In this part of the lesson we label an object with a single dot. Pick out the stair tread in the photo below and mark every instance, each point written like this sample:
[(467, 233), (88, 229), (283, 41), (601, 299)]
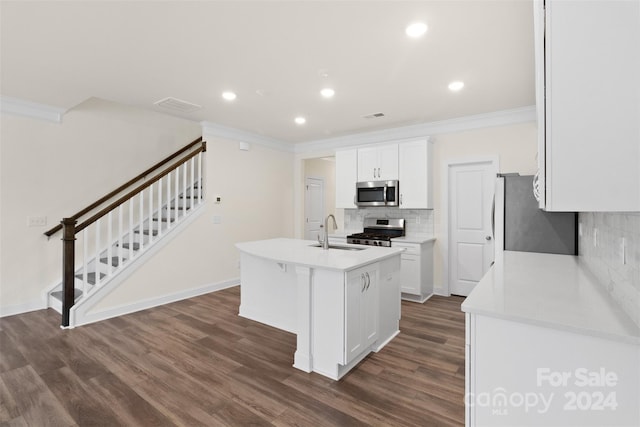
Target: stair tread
[(58, 294), (126, 245), (147, 232), (114, 260), (91, 277)]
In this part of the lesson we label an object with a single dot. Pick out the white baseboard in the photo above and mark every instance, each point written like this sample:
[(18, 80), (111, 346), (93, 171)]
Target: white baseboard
[(26, 307), (154, 302)]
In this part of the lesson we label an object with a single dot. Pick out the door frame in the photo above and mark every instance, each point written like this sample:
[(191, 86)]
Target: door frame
[(445, 203), (324, 207)]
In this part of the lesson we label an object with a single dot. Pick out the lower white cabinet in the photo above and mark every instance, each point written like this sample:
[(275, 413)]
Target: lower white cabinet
[(416, 271), (361, 311), (528, 375)]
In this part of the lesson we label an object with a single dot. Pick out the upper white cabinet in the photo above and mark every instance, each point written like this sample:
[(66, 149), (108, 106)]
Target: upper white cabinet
[(588, 103), (414, 174), (378, 163), (346, 177)]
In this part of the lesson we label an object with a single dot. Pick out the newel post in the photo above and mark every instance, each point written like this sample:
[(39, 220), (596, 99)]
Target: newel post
[(68, 267)]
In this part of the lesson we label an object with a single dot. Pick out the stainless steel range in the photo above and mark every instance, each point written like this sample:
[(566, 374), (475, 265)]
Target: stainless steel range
[(378, 232)]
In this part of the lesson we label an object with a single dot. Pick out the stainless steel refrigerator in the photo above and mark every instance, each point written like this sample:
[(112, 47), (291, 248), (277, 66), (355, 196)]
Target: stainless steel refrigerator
[(521, 226)]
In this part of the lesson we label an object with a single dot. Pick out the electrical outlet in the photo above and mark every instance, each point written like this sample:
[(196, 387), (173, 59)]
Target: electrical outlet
[(595, 237), (417, 219), (36, 221), (579, 229)]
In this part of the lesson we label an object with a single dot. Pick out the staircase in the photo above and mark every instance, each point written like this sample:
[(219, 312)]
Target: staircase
[(114, 240)]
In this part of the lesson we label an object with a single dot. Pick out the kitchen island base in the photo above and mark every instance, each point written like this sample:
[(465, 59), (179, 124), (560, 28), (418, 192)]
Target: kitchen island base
[(338, 315)]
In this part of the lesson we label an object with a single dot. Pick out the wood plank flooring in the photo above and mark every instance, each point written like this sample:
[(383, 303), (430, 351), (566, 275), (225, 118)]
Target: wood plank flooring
[(197, 363)]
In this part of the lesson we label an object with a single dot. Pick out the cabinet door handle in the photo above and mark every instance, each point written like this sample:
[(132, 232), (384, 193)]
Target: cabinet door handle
[(378, 172), (364, 283), (401, 199), (374, 172), (368, 280)]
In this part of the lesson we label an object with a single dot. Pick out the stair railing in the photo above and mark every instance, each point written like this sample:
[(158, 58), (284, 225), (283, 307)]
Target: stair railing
[(176, 182)]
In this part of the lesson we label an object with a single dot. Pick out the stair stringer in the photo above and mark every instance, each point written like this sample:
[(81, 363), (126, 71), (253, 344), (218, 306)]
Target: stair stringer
[(80, 312)]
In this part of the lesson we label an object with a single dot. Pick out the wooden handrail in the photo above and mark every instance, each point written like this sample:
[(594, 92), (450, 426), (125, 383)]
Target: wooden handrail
[(137, 190), (127, 184)]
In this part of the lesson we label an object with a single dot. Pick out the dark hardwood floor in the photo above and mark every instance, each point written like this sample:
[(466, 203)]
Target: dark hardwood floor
[(196, 363)]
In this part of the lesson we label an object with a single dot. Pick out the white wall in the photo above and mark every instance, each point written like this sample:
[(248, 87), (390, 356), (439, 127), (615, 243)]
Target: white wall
[(514, 145), (55, 169)]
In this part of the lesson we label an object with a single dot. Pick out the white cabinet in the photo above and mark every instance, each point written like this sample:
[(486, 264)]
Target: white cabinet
[(361, 311), (588, 104), (416, 271), (566, 378), (346, 176), (415, 171), (378, 163)]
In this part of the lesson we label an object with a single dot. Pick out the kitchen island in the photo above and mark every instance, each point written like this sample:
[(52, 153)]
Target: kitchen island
[(342, 303)]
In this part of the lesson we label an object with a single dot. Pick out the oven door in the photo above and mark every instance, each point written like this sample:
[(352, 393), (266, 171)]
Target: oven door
[(377, 193)]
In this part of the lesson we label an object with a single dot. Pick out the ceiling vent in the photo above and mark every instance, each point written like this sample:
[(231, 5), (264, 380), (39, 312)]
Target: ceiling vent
[(373, 116), (177, 105)]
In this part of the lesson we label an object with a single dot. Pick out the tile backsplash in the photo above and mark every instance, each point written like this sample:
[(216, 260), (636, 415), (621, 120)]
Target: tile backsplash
[(601, 248), (417, 221)]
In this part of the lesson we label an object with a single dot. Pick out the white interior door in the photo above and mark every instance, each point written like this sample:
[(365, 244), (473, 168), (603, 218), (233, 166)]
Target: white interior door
[(471, 251), (313, 207)]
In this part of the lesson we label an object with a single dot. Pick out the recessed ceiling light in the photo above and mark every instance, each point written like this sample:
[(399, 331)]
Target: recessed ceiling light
[(300, 120), (327, 92), (456, 86), (416, 29), (229, 96)]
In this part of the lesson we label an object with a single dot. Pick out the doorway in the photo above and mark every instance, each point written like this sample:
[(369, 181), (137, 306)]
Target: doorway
[(471, 187), (313, 207)]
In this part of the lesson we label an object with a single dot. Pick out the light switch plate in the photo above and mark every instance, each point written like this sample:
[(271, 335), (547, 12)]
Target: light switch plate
[(36, 221)]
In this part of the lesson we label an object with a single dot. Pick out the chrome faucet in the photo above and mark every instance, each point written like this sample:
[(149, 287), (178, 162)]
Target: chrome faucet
[(325, 241)]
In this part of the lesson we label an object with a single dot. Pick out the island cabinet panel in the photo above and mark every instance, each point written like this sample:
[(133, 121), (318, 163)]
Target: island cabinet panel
[(269, 292), (361, 311)]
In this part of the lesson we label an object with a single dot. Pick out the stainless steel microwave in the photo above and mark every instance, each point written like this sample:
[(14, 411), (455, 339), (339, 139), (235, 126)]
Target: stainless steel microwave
[(377, 193)]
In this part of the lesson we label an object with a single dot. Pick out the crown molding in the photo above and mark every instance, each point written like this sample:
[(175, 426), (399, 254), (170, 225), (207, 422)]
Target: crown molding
[(215, 130), (32, 110), (497, 118)]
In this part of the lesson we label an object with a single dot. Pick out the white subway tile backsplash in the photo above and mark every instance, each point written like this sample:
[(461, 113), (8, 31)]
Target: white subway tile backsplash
[(601, 248), (417, 221)]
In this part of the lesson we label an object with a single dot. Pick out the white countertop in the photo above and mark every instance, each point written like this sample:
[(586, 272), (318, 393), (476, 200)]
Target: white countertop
[(548, 290), (301, 252)]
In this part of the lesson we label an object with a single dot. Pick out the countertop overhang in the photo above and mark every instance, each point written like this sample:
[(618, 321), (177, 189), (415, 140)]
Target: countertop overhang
[(303, 253), (556, 291)]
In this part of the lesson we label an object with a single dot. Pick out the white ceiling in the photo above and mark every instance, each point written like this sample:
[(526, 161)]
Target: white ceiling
[(138, 52)]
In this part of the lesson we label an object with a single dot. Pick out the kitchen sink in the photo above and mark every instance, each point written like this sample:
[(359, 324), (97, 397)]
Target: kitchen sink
[(343, 248)]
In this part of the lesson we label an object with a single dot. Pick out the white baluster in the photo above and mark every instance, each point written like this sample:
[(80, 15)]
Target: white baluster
[(109, 243), (169, 195), (151, 214), (120, 234), (200, 178), (85, 259), (160, 207), (176, 200), (141, 220), (96, 258), (191, 167), (184, 188), (131, 208)]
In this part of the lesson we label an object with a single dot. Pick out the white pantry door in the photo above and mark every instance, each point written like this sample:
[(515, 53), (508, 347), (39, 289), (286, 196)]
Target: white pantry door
[(471, 252), (313, 207)]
